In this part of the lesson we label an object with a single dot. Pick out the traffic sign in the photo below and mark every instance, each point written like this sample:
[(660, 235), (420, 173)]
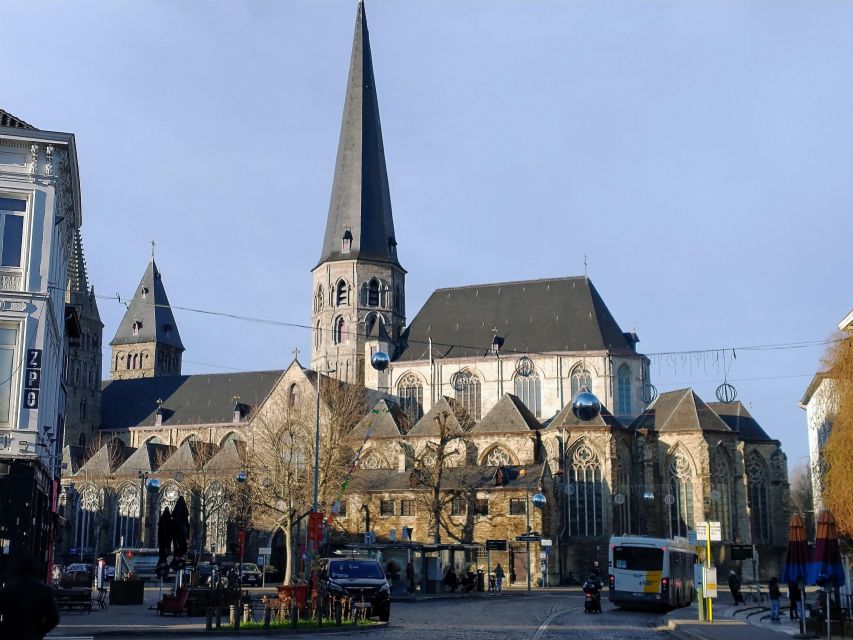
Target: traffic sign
[(741, 551), (265, 551), (530, 538), (702, 531), (496, 545), (710, 582), (546, 542)]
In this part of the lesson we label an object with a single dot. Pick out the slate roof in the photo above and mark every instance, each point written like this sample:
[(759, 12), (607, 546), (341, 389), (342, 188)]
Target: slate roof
[(231, 456), (149, 458), (469, 477), (510, 414), (361, 200), (187, 400), (8, 120), (191, 455), (566, 419), (149, 307), (385, 420), (534, 316), (680, 410), (739, 420), (73, 458), (428, 425), (106, 460)]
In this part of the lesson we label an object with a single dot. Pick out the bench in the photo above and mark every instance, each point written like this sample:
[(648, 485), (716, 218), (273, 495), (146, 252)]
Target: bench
[(174, 604), (69, 600)]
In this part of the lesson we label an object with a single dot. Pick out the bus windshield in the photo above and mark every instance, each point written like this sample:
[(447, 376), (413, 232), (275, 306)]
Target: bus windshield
[(637, 558)]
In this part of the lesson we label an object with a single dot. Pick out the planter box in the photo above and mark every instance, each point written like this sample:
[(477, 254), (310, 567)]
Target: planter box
[(127, 591)]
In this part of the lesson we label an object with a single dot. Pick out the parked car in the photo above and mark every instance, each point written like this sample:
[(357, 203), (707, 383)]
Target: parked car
[(78, 575), (362, 579), (250, 575)]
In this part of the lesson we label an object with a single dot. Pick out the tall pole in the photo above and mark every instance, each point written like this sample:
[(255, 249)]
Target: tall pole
[(527, 513), (317, 450), (708, 566)]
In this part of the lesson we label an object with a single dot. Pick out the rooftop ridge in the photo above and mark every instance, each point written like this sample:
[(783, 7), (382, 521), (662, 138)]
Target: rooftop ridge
[(511, 282)]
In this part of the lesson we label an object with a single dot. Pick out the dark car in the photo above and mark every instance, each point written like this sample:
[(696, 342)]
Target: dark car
[(362, 580), (249, 575)]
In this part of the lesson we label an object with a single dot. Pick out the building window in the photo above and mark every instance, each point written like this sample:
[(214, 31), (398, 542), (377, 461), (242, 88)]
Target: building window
[(623, 391), (346, 242), (373, 293), (411, 394), (585, 493), (622, 506), (339, 330), (457, 506), (342, 509), (407, 507), (318, 335), (481, 507), (215, 510), (386, 507), (137, 325), (292, 395), (127, 517), (467, 387), (581, 379), (758, 498), (82, 408), (144, 292), (88, 520), (8, 342), (721, 506), (681, 492), (373, 460), (12, 236), (498, 457), (517, 506), (318, 299), (529, 391), (341, 293)]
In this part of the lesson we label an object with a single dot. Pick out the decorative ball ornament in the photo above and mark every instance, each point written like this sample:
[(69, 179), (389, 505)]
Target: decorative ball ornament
[(153, 484), (669, 499), (619, 498), (538, 500), (649, 393), (459, 380), (524, 367), (241, 476), (648, 496), (179, 476), (585, 406), (726, 393), (380, 361)]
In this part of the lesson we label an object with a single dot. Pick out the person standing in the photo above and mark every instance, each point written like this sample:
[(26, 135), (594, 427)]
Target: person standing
[(27, 606), (499, 577), (794, 595), (734, 587), (410, 576), (775, 594)]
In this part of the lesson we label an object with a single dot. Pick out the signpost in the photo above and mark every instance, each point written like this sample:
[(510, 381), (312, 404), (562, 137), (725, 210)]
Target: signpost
[(707, 532), (265, 552)]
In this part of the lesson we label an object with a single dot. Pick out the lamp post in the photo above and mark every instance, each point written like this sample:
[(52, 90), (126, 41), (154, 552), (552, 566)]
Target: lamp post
[(538, 502)]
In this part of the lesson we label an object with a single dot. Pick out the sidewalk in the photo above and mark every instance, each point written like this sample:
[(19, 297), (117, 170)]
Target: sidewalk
[(750, 621)]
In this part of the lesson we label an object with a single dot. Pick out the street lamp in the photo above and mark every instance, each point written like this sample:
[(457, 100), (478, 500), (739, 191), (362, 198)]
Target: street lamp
[(539, 503)]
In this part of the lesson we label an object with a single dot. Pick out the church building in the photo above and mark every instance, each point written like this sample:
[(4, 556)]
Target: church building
[(489, 368)]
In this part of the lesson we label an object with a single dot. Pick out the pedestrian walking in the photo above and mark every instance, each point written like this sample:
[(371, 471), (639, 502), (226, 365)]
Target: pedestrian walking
[(775, 594), (27, 606), (734, 587), (410, 576), (499, 577), (795, 596)]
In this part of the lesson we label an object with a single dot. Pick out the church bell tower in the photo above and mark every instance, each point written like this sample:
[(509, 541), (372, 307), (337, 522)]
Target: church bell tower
[(359, 284)]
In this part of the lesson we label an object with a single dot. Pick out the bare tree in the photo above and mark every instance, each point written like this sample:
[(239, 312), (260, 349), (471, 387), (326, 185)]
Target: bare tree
[(208, 490), (282, 480)]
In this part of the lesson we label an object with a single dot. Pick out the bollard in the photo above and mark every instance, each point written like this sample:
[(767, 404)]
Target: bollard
[(218, 613), (267, 616), (245, 613), (208, 623), (233, 619), (293, 614)]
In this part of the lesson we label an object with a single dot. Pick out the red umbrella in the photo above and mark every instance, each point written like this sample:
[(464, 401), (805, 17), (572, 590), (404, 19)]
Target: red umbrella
[(826, 567), (797, 557)]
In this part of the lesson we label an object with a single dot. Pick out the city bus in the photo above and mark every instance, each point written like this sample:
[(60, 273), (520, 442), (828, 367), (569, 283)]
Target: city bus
[(141, 563), (650, 572)]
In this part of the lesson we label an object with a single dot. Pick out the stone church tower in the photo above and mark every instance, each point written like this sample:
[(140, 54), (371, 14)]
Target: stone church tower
[(147, 342), (83, 370), (358, 284)]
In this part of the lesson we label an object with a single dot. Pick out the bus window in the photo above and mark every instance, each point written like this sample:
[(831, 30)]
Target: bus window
[(637, 558)]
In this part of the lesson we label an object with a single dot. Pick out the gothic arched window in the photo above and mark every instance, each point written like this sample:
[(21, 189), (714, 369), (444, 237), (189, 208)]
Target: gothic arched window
[(411, 394), (623, 391), (581, 379), (216, 513), (292, 395), (127, 517), (622, 506), (758, 497), (498, 457), (346, 241), (680, 497), (720, 498), (585, 492), (341, 293), (88, 520), (373, 293), (169, 497), (318, 299), (373, 460), (529, 390), (318, 335), (467, 389), (338, 331)]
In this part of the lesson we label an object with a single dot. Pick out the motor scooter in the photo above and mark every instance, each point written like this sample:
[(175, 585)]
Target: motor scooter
[(592, 595)]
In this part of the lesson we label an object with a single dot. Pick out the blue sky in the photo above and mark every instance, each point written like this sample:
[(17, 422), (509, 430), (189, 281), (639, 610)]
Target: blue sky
[(698, 154)]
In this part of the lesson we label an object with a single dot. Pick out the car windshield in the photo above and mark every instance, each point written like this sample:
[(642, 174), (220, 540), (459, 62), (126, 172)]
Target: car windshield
[(250, 567), (355, 569)]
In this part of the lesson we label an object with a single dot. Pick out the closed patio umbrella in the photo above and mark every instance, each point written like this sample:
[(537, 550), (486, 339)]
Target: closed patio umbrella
[(826, 568), (797, 559)]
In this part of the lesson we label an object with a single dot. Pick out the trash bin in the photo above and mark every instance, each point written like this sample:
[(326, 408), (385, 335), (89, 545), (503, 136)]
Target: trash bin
[(480, 581)]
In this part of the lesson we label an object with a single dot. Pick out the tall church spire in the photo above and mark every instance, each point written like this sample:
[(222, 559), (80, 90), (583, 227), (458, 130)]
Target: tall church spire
[(360, 224)]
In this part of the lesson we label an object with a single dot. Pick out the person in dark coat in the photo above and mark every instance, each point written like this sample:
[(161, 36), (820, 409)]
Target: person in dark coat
[(180, 532), (775, 595), (164, 542), (27, 606), (734, 587), (794, 595)]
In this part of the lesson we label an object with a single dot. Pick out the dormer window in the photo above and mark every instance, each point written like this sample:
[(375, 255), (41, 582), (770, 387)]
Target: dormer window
[(373, 293), (392, 245), (144, 292), (167, 329), (137, 325), (346, 242)]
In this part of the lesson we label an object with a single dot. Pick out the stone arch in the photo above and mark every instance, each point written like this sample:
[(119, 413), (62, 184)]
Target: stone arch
[(576, 378), (342, 292), (231, 436), (681, 478), (192, 437), (497, 455), (153, 440), (373, 459)]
